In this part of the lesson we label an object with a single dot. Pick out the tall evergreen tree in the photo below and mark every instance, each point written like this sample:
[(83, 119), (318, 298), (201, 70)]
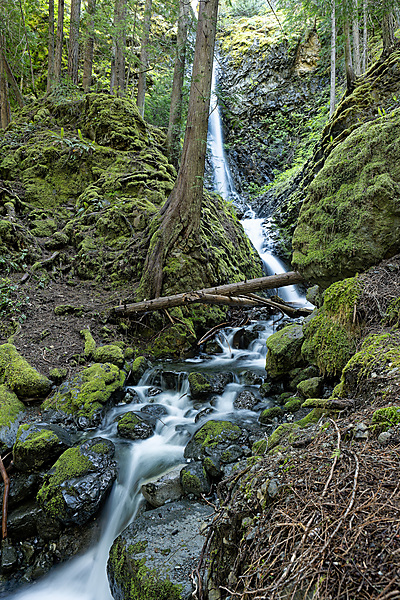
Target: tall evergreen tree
[(73, 53), (144, 61), (89, 47)]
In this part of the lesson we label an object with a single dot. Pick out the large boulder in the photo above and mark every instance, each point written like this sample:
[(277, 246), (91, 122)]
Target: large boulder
[(20, 376), (154, 557), (284, 350), (82, 400), (78, 483), (11, 413), (166, 488), (36, 447), (212, 439)]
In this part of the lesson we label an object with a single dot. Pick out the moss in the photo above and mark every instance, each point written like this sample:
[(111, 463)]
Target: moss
[(384, 418), (341, 298), (175, 341), (110, 354), (260, 447), (200, 385), (90, 344), (138, 368), (35, 447), (58, 375), (138, 548), (191, 483), (100, 448), (214, 432), (269, 414), (88, 392), (287, 433), (19, 376), (310, 388), (284, 350), (292, 405), (279, 435), (70, 465), (10, 407)]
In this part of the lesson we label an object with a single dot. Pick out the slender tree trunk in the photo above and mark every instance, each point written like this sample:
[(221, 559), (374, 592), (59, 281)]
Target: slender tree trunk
[(365, 36), (117, 84), (89, 47), (144, 61), (5, 113), (73, 54), (179, 218), (59, 41), (333, 60), (51, 57), (175, 113), (347, 55), (388, 32), (356, 41), (28, 46), (17, 92)]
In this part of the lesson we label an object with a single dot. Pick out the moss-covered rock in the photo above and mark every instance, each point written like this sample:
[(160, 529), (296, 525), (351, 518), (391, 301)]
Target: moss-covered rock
[(194, 480), (11, 412), (311, 388), (109, 354), (350, 218), (387, 417), (138, 369), (133, 427), (36, 447), (284, 350), (269, 414), (212, 437), (292, 405), (200, 386), (84, 397), (77, 484), (19, 376), (90, 345)]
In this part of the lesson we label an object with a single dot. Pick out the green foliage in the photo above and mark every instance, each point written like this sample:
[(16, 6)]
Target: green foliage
[(247, 8), (12, 304)]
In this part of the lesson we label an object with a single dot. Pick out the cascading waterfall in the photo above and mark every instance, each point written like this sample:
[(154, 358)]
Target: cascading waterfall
[(84, 577)]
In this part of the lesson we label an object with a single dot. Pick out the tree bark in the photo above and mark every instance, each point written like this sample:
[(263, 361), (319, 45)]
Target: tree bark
[(73, 54), (89, 47), (365, 36), (217, 295), (51, 56), (28, 47), (179, 218), (347, 55), (144, 59), (333, 60), (388, 32), (356, 40), (5, 113), (59, 41), (175, 113), (17, 92), (119, 43), (6, 481)]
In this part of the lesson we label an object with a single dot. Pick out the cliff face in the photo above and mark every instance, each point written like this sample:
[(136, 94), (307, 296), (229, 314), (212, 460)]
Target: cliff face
[(273, 96)]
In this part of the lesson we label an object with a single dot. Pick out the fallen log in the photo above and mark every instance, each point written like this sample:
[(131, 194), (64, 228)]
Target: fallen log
[(217, 292)]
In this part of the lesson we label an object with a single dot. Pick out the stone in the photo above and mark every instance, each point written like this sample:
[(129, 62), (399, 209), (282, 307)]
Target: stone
[(134, 427), (311, 388), (166, 488), (138, 369), (200, 386), (194, 480), (245, 400), (211, 438), (284, 350), (269, 414), (109, 354), (153, 558), (36, 447), (25, 381), (11, 413)]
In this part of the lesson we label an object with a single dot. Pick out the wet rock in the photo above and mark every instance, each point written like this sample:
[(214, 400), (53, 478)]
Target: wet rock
[(194, 479), (9, 558), (245, 400), (11, 414), (167, 379), (154, 410), (203, 413), (25, 381), (200, 386), (155, 555), (266, 389), (78, 483), (134, 427), (22, 487), (153, 391), (138, 368), (131, 396), (269, 414), (219, 381), (232, 454), (22, 521), (166, 489), (36, 447), (243, 338), (251, 378), (212, 437), (284, 350), (311, 388)]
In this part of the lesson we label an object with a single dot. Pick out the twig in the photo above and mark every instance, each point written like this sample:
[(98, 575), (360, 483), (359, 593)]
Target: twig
[(6, 480)]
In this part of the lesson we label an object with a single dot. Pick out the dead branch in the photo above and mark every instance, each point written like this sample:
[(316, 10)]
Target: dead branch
[(6, 480)]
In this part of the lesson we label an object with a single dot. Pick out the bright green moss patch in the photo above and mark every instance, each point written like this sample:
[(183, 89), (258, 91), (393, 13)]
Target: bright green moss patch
[(260, 447), (10, 407), (200, 385), (215, 432), (110, 354), (384, 418), (341, 298), (284, 350), (90, 344), (292, 405), (269, 414), (19, 376)]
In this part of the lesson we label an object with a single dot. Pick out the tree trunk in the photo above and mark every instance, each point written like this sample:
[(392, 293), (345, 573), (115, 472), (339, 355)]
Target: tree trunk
[(51, 57), (5, 114), (179, 218), (144, 60), (356, 41), (89, 46), (17, 92), (59, 41), (347, 55), (333, 60), (119, 43), (388, 32), (365, 36), (73, 54), (175, 113), (28, 47)]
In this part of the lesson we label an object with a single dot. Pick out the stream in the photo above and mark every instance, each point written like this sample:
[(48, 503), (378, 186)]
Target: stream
[(84, 577)]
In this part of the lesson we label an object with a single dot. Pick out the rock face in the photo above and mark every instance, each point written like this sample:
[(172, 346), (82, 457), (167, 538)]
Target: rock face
[(153, 557), (79, 481)]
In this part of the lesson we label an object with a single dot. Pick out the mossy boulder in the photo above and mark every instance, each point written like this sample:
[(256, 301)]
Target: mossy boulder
[(77, 484), (36, 447), (110, 354), (83, 398), (193, 478), (284, 350), (90, 344), (385, 418), (212, 438), (269, 414), (133, 427), (289, 433), (200, 386), (11, 413), (350, 217), (292, 405), (152, 557), (20, 376), (311, 388), (138, 369)]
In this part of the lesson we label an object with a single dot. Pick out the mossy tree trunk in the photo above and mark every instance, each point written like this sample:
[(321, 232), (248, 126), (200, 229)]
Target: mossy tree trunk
[(73, 54), (347, 55), (5, 114), (175, 113), (365, 36), (89, 46), (51, 64), (119, 43), (388, 32), (179, 219), (59, 41), (144, 59)]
